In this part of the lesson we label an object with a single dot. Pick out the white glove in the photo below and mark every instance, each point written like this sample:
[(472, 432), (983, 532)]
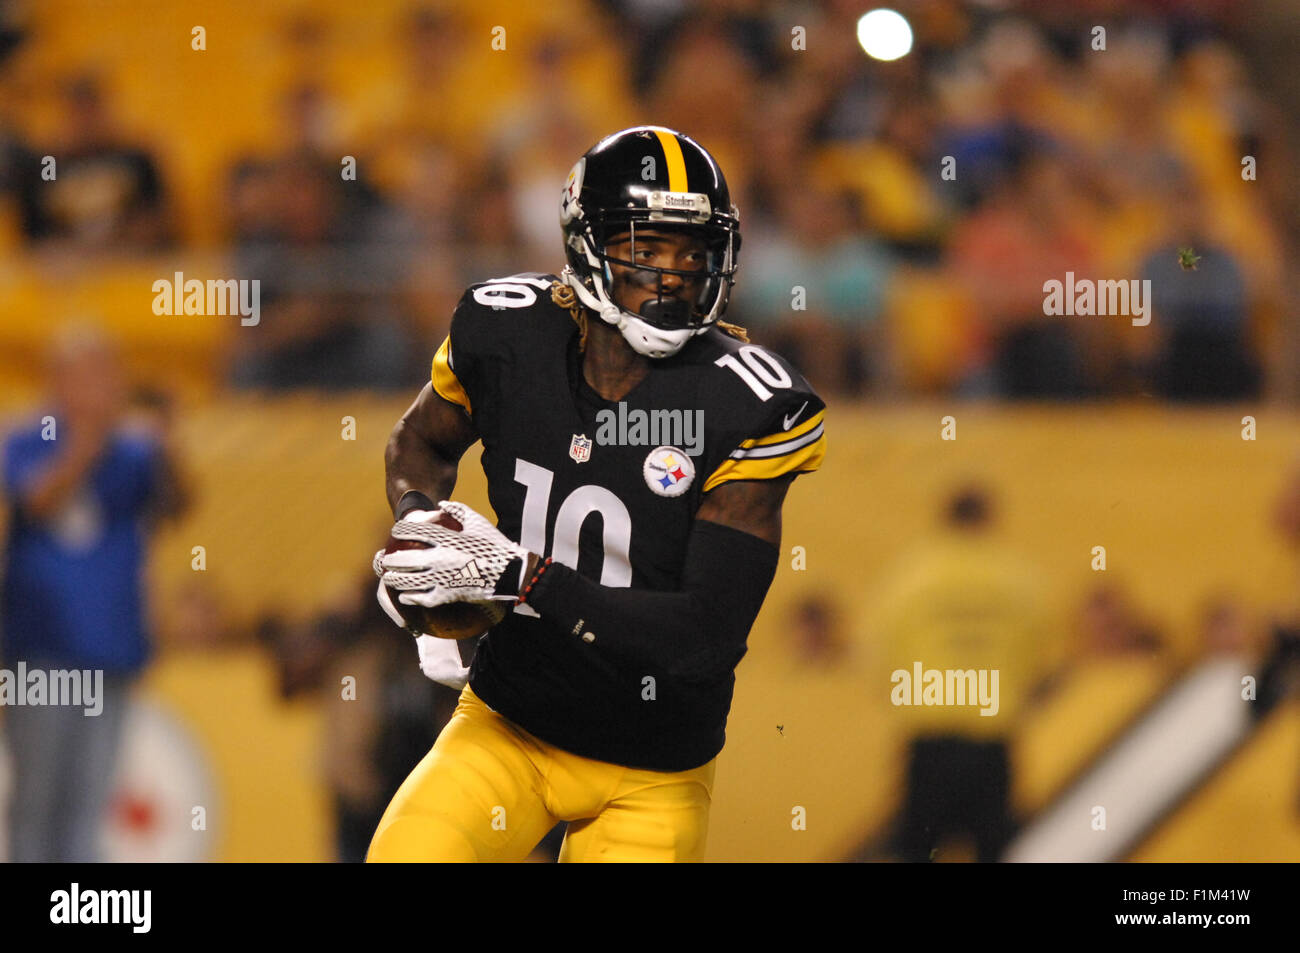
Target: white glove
[(440, 661), (463, 566), (385, 598), (386, 603)]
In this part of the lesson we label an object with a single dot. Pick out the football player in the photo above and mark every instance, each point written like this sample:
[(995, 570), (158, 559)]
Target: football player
[(634, 554)]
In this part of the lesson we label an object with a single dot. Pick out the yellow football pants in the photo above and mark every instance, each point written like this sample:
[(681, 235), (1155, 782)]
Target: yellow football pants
[(489, 791)]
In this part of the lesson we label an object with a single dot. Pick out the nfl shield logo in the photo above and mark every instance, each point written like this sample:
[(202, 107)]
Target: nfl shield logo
[(580, 448)]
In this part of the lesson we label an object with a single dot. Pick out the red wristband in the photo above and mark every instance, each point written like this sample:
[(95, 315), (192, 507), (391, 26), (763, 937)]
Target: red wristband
[(541, 568)]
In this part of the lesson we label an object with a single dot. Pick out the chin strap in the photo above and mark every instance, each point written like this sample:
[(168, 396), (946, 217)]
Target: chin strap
[(564, 296)]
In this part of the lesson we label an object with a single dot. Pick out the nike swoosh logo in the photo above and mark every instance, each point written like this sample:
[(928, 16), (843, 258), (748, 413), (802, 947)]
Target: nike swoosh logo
[(789, 421)]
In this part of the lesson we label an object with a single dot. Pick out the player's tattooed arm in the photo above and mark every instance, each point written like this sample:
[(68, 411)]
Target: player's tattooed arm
[(751, 506), (425, 448)]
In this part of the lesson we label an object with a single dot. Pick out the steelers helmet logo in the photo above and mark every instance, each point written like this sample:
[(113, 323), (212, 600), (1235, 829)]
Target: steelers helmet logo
[(569, 208), (668, 471)]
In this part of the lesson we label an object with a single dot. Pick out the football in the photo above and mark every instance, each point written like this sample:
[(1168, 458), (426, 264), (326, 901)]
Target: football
[(455, 620)]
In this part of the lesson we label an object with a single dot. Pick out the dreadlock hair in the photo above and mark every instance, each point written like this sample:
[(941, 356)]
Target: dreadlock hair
[(567, 298), (735, 330)]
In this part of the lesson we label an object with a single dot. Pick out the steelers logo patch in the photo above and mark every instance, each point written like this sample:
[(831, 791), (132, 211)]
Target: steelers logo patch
[(668, 471)]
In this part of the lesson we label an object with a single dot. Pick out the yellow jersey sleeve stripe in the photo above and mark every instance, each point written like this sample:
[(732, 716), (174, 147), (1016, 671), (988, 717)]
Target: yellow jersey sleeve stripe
[(444, 379), (812, 423), (676, 163), (789, 445), (804, 459)]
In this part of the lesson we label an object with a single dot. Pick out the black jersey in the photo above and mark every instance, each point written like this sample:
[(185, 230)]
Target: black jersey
[(610, 489)]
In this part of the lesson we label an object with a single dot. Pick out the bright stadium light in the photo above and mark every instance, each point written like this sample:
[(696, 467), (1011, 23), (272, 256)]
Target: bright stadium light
[(884, 34)]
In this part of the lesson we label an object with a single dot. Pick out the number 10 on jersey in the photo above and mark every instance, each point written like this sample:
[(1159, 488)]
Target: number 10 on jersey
[(616, 522)]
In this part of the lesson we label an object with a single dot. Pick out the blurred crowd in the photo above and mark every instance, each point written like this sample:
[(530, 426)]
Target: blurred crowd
[(899, 218)]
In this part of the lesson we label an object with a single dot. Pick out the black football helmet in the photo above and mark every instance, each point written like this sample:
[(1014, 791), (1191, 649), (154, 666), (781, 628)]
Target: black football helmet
[(644, 178)]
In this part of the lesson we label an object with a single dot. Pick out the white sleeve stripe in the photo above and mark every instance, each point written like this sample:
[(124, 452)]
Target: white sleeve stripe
[(780, 449)]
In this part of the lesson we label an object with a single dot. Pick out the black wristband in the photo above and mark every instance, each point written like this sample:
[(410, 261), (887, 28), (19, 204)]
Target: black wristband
[(413, 500)]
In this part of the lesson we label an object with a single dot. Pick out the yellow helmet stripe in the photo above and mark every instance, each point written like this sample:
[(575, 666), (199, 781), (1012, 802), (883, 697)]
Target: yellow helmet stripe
[(673, 156)]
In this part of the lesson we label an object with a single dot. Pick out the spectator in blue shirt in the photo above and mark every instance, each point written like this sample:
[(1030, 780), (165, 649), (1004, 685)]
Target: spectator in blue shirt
[(82, 487)]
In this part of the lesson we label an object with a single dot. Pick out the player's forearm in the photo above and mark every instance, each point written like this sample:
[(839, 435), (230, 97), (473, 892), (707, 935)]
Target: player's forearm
[(655, 633), (425, 447), (412, 463), (697, 632)]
